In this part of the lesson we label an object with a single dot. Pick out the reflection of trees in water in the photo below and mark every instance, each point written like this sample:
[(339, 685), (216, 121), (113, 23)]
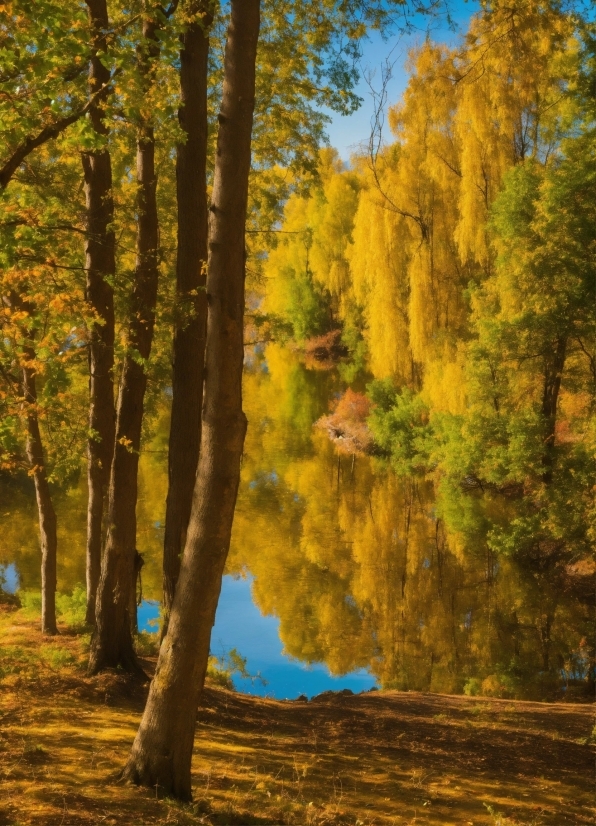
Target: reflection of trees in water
[(19, 541), (356, 563), (360, 569), (19, 537)]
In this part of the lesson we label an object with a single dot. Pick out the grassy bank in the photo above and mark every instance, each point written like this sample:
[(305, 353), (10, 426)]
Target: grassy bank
[(378, 758)]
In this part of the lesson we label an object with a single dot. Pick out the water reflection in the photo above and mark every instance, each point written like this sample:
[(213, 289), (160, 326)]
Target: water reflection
[(9, 578), (351, 569), (240, 625), (258, 638)]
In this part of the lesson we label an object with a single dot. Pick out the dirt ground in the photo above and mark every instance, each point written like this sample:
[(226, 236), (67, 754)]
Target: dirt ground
[(375, 758)]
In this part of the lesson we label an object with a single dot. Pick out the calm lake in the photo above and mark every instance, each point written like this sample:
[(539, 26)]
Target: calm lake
[(340, 575)]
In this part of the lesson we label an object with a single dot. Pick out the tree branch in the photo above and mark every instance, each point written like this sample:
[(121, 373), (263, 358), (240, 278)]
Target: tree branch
[(9, 168)]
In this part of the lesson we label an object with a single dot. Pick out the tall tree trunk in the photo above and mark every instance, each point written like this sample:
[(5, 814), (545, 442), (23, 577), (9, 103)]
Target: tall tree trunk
[(112, 643), (545, 640), (552, 384), (45, 508), (100, 265), (162, 751), (191, 312)]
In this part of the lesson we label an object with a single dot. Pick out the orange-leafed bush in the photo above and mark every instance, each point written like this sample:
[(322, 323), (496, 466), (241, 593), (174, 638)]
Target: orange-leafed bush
[(322, 352), (346, 426)]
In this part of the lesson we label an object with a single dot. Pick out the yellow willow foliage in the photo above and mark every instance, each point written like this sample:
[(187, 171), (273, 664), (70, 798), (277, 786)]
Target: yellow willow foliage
[(445, 381), (420, 232), (332, 219), (404, 260), (510, 103), (378, 264), (316, 230), (428, 190), (291, 254)]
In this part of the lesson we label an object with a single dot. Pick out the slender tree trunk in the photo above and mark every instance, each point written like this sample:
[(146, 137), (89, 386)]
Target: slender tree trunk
[(545, 641), (191, 316), (112, 643), (100, 266), (162, 751), (45, 508), (550, 397)]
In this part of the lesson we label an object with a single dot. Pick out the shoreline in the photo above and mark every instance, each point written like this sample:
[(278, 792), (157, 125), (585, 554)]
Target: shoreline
[(380, 757)]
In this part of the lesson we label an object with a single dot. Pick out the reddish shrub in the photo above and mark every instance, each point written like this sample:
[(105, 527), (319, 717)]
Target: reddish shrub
[(346, 426)]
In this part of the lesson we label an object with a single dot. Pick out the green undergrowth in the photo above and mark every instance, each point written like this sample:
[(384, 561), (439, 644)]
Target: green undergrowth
[(222, 670), (70, 607), (70, 614)]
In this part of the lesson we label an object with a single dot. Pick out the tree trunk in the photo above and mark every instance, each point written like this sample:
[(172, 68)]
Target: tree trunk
[(191, 312), (45, 508), (162, 751), (112, 643), (100, 265), (545, 641), (552, 384)]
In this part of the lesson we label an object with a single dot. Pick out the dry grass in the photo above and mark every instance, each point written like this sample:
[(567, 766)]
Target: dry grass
[(380, 758)]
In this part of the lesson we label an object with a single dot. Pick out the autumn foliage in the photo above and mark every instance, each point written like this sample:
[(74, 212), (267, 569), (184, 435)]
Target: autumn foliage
[(346, 426)]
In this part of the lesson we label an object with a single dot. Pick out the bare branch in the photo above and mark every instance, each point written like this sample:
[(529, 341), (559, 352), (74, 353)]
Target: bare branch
[(375, 142)]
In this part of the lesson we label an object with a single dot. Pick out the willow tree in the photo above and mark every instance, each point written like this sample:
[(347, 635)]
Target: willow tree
[(308, 276), (410, 279), (469, 114), (510, 76), (378, 265)]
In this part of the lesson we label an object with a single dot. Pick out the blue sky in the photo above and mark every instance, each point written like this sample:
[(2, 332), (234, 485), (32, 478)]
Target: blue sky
[(346, 133)]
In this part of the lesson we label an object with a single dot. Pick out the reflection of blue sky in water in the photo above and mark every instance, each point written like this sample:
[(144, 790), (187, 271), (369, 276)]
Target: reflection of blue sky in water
[(9, 578), (240, 625)]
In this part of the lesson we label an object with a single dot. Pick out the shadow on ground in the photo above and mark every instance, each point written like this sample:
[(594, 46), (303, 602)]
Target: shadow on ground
[(377, 758)]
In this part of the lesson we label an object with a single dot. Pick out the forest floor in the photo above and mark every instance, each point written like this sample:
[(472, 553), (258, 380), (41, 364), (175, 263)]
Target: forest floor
[(376, 758)]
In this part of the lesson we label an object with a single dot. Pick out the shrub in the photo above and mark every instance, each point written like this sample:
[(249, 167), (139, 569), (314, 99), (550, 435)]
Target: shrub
[(71, 608), (219, 674), (147, 643), (221, 669), (56, 657), (31, 602), (495, 685), (473, 687), (346, 426)]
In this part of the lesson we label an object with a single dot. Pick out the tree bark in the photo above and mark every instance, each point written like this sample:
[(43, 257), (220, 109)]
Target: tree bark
[(112, 643), (162, 750), (191, 312), (45, 507), (100, 265), (553, 373)]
